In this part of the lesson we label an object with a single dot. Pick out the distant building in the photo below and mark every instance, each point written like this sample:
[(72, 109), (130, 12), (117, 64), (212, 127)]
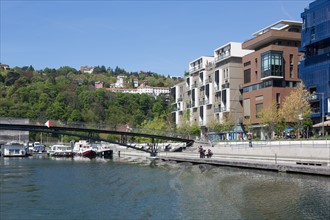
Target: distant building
[(135, 83), (98, 85), (176, 78), (314, 68), (123, 90), (86, 69), (153, 91), (4, 66), (120, 81)]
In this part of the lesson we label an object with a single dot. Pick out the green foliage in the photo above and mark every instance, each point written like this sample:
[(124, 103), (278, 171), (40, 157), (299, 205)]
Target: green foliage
[(70, 96)]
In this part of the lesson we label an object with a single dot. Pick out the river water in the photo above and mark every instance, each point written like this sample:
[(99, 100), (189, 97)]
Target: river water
[(45, 188)]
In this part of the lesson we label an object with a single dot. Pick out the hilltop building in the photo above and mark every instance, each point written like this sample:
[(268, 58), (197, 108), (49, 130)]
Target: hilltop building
[(142, 89), (98, 85), (4, 66), (86, 69), (314, 68), (271, 71), (120, 81)]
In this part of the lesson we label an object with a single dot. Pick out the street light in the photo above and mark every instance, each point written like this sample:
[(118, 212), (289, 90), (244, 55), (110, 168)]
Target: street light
[(321, 93)]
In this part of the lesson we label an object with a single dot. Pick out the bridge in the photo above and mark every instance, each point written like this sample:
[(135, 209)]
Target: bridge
[(91, 132)]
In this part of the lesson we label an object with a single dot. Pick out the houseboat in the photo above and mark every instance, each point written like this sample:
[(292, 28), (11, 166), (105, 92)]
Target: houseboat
[(13, 149)]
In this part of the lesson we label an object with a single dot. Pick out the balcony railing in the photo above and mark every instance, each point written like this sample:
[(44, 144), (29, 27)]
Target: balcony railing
[(195, 68), (225, 86), (207, 81), (220, 57)]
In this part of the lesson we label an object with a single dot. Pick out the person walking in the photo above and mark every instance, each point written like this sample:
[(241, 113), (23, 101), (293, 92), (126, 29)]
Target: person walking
[(209, 153)]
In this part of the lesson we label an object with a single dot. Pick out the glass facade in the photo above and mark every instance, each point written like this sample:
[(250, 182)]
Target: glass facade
[(271, 64), (314, 69)]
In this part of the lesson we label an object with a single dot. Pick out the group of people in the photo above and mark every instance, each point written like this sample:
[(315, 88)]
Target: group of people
[(202, 152)]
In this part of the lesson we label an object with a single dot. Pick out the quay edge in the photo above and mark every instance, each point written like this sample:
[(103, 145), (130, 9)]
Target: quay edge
[(289, 168)]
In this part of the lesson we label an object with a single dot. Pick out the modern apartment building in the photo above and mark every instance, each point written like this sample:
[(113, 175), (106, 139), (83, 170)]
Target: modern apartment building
[(271, 71), (210, 91), (314, 68)]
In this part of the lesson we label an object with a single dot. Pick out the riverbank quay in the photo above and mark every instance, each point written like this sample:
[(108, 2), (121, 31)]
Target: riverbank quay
[(308, 157)]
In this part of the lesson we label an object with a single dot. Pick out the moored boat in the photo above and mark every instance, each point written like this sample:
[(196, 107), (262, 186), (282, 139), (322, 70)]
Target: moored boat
[(61, 151), (13, 149), (83, 148)]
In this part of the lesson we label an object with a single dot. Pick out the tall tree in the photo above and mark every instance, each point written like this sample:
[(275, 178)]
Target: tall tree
[(296, 107), (269, 118)]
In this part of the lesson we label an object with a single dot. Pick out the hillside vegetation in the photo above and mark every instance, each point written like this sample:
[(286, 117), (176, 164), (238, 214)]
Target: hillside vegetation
[(69, 95)]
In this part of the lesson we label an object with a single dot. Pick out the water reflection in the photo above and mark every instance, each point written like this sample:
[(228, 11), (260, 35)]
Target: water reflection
[(139, 188)]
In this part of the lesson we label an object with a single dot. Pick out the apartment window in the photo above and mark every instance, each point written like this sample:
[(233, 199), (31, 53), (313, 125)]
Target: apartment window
[(247, 63), (271, 64), (247, 75), (256, 74), (259, 98), (291, 66), (278, 99), (258, 109)]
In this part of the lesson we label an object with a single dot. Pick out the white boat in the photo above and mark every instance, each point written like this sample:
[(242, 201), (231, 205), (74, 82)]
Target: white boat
[(102, 150), (13, 149), (83, 148), (60, 151)]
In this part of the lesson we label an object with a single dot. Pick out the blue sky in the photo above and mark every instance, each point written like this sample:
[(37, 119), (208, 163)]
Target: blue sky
[(157, 36)]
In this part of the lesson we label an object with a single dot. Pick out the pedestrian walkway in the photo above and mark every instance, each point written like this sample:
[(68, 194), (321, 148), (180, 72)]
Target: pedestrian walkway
[(303, 159)]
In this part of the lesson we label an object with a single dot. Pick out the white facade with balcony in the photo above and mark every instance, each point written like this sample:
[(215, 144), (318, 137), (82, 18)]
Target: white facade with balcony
[(211, 90)]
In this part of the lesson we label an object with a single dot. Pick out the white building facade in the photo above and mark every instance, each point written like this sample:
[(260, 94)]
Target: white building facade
[(211, 90)]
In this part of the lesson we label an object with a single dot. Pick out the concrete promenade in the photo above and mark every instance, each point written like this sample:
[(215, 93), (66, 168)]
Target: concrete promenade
[(310, 157)]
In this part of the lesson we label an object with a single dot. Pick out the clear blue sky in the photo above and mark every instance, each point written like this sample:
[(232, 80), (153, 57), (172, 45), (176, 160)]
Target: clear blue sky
[(157, 36)]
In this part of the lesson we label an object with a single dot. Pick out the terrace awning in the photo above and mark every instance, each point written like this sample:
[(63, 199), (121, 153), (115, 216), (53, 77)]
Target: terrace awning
[(319, 125)]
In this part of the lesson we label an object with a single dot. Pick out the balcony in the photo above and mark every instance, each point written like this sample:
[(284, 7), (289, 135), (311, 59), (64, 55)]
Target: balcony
[(225, 86), (315, 111), (179, 99), (207, 81), (195, 68), (209, 66), (221, 57), (314, 98)]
